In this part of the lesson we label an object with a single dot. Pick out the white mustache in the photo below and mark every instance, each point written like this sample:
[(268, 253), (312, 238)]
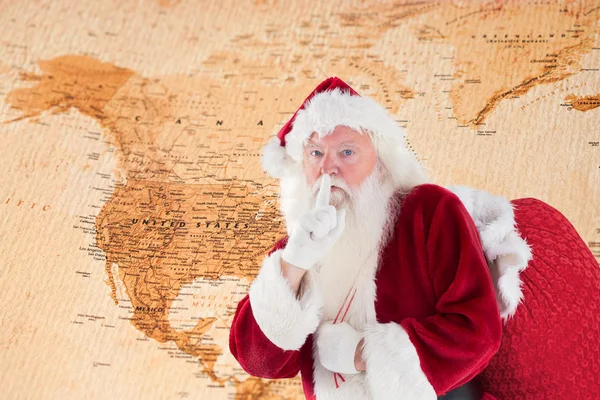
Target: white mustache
[(335, 181)]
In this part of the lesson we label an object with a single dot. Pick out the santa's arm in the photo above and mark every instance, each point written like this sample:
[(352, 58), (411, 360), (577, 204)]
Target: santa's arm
[(271, 325), (420, 358)]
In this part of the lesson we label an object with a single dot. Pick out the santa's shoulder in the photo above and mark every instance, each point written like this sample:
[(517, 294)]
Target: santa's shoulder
[(427, 202), (429, 196)]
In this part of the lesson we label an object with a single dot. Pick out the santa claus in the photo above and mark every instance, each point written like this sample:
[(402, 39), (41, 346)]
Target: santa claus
[(387, 286)]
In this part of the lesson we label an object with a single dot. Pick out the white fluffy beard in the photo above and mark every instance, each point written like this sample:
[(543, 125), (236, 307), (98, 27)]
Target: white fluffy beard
[(372, 197), (352, 262), (370, 209)]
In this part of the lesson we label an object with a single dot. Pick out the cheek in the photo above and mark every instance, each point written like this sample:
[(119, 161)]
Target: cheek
[(311, 171), (356, 171)]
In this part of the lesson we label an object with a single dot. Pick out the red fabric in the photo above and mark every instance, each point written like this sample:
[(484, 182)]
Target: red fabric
[(253, 350), (548, 350), (442, 293), (327, 85), (487, 396), (551, 348), (433, 280)]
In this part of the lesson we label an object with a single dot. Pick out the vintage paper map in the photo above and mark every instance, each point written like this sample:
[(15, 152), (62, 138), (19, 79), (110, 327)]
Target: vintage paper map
[(133, 210)]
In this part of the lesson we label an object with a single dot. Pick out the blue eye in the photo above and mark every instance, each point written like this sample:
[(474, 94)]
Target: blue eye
[(316, 153), (348, 152)]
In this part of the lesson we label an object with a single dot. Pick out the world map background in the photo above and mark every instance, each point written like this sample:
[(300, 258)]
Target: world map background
[(133, 210)]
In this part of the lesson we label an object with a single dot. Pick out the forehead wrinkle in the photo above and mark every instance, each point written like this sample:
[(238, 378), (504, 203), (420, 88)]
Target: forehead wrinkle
[(310, 143), (353, 142)]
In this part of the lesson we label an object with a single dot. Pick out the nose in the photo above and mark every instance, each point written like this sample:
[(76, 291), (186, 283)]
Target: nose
[(329, 165)]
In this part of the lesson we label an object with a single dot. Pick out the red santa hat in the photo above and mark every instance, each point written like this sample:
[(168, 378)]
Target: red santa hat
[(334, 103)]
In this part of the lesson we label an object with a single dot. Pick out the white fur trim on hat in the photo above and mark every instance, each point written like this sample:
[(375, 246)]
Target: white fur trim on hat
[(393, 365), (285, 320), (332, 108), (275, 159), (506, 251), (329, 109)]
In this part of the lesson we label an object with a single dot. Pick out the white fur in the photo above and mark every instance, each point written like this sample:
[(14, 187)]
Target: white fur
[(285, 320), (393, 365), (274, 159), (352, 262), (506, 251), (332, 108), (360, 314), (294, 196)]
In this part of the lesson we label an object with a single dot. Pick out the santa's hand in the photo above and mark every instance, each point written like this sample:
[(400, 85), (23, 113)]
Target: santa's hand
[(316, 231), (336, 346)]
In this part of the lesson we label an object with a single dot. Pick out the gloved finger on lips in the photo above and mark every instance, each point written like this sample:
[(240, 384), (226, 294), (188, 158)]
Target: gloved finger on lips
[(324, 192)]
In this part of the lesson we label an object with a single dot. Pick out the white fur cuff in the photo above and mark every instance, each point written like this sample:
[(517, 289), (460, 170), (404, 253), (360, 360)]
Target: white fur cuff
[(285, 320), (393, 365)]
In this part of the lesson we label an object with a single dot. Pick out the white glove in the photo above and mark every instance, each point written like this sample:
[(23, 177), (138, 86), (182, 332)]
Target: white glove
[(336, 346), (316, 231)]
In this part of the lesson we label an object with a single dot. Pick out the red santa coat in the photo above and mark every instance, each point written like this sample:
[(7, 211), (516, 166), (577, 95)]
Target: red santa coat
[(437, 320)]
